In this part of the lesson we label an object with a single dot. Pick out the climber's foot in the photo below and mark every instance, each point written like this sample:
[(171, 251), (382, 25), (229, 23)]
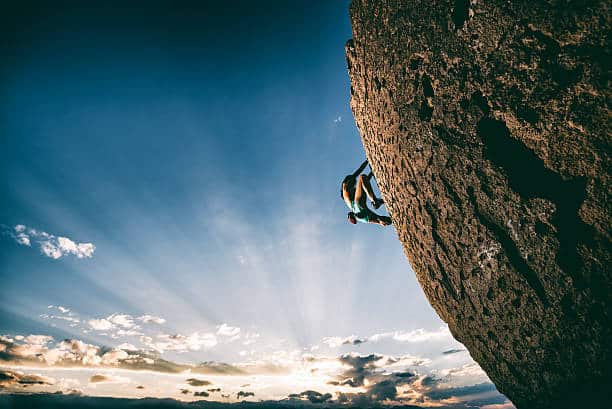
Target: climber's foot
[(386, 220)]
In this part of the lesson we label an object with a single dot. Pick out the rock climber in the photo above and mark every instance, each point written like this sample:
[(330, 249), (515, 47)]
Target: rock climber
[(355, 188)]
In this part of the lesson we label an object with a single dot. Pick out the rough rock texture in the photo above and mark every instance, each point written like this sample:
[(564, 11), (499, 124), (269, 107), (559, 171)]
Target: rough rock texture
[(487, 126)]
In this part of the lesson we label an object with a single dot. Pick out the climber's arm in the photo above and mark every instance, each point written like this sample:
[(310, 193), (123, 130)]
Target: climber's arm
[(361, 168)]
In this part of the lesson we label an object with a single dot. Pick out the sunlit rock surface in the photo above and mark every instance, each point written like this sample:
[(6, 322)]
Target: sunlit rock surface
[(487, 126)]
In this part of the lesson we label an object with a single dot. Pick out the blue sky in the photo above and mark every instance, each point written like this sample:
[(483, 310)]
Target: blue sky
[(200, 150)]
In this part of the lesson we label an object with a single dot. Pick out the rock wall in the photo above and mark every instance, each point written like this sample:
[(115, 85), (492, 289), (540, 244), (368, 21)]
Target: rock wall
[(487, 126)]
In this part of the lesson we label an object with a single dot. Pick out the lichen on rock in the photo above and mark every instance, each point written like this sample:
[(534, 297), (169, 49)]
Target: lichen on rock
[(487, 127)]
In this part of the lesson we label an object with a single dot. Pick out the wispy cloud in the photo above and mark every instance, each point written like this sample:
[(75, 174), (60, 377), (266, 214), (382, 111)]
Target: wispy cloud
[(335, 342), (180, 343), (414, 336), (50, 245), (417, 335), (65, 315), (470, 369), (151, 319), (144, 331)]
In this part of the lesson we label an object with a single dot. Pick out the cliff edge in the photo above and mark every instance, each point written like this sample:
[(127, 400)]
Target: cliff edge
[(487, 127)]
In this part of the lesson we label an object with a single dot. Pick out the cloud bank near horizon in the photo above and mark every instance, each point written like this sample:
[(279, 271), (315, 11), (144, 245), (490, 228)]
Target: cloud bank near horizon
[(38, 363)]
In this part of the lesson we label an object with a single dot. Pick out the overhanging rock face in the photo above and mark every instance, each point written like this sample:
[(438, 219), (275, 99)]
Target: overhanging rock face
[(487, 126)]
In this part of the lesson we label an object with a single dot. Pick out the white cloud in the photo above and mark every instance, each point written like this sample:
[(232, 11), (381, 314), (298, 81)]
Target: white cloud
[(115, 326), (250, 338), (421, 335), (100, 324), (406, 361), (50, 245), (225, 330), (69, 319), (180, 343), (125, 333), (338, 119), (38, 339), (470, 369), (151, 319), (50, 249), (417, 335), (69, 351), (122, 320), (123, 324), (335, 342), (332, 342), (80, 250), (73, 351), (20, 236), (127, 347)]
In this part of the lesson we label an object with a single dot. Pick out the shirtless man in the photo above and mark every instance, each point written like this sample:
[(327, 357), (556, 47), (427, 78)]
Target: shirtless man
[(356, 188)]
